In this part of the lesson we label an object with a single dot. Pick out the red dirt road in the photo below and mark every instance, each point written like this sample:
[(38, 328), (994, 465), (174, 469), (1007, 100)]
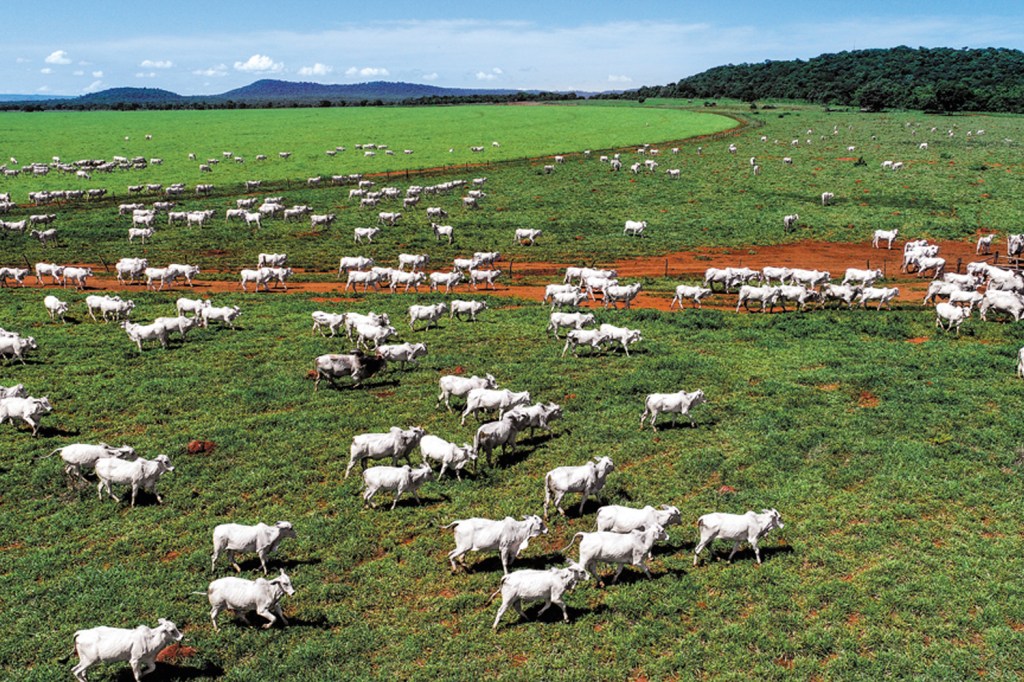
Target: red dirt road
[(681, 266)]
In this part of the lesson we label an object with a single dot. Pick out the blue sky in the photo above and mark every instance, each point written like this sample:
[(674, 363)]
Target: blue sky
[(72, 47)]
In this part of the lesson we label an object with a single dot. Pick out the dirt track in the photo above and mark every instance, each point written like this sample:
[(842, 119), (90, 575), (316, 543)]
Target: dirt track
[(686, 265)]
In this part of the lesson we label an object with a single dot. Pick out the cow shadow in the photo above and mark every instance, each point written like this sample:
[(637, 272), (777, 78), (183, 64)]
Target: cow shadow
[(630, 575), (410, 501), (176, 671), (316, 622), (670, 425), (275, 565), (54, 431), (746, 553)]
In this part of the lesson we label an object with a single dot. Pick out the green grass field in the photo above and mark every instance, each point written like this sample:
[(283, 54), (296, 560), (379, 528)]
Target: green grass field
[(896, 466)]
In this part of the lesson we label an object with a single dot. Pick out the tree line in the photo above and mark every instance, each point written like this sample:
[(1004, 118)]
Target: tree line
[(930, 79)]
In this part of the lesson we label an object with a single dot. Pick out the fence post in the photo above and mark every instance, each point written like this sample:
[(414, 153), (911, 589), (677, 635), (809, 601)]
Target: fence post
[(959, 262)]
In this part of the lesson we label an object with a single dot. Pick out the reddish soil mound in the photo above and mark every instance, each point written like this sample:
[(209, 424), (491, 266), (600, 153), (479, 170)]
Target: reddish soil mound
[(196, 447), (867, 399), (175, 653)]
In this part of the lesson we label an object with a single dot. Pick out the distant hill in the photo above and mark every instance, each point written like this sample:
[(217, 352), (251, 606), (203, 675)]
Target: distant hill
[(31, 98), (139, 95), (271, 90), (943, 79)]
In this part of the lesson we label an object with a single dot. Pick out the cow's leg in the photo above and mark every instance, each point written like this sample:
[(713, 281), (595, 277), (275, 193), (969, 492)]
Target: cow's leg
[(265, 612), (757, 550), (517, 604), (501, 611), (704, 542), (735, 546)]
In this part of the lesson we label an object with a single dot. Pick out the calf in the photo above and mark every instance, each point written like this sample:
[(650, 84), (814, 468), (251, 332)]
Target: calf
[(737, 528)]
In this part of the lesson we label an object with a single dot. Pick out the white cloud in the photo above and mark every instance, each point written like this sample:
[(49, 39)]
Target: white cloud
[(218, 70), (491, 75), (317, 69), (367, 71), (22, 60), (430, 76), (79, 72), (57, 57), (497, 71), (93, 87), (46, 70), (619, 79), (143, 74), (259, 63), (160, 64), (97, 74), (43, 88)]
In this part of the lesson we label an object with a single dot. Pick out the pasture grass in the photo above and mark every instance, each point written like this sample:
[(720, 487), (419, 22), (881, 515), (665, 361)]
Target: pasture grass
[(896, 467)]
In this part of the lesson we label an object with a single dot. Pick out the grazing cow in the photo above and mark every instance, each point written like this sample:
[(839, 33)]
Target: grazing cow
[(508, 537), (27, 409), (827, 198), (685, 291), (397, 479), (888, 235), (389, 219), (443, 231), (674, 403), (448, 454), (737, 528), (587, 479), (139, 474), (242, 596), (567, 299), (789, 222), (139, 647), (453, 385), (261, 538), (617, 548), (984, 245), (356, 365), (533, 585), (394, 444)]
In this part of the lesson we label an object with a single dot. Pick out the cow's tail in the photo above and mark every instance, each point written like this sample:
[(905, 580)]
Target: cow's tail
[(452, 524), (700, 523), (571, 543), (51, 454), (497, 591)]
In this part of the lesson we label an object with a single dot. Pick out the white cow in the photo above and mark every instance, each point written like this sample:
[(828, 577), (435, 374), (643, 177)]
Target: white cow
[(139, 647), (459, 308), (488, 277), (243, 596), (490, 400), (736, 528), (259, 277), (984, 245), (768, 296), (28, 409), (951, 315), (194, 306), (430, 313), (397, 442), (139, 474), (180, 324), (452, 385), (443, 231), (635, 227), (508, 537), (395, 479), (674, 403), (587, 479), (224, 314), (55, 307), (367, 233), (626, 337), (685, 291), (354, 263), (272, 260), (1002, 301), (56, 272), (880, 294), (533, 585), (617, 519), (77, 275), (625, 293), (502, 432), (261, 538), (569, 321), (15, 346), (402, 352), (594, 338), (624, 549), (145, 332), (840, 292), (864, 278), (448, 279), (526, 235), (78, 456), (130, 268), (450, 455)]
